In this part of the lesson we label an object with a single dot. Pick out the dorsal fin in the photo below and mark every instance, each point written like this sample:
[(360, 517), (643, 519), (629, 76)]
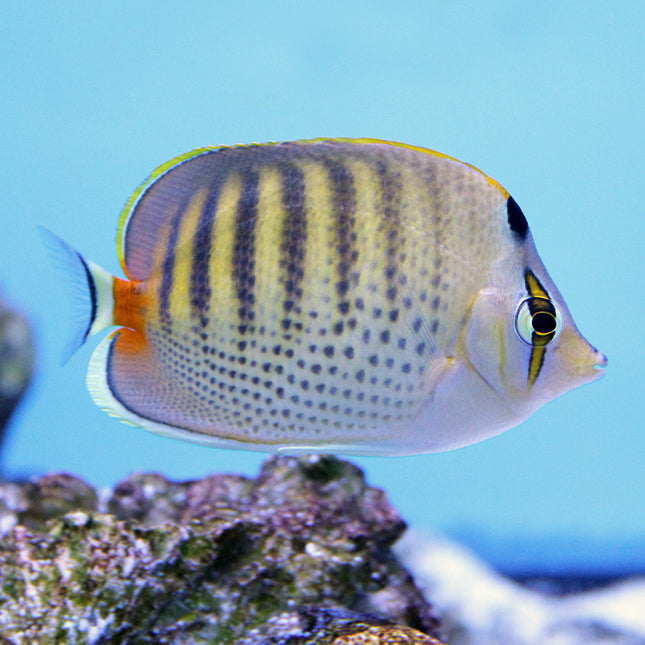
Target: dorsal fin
[(153, 207)]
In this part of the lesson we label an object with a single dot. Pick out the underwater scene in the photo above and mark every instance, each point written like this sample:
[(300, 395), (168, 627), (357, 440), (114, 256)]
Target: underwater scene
[(320, 324)]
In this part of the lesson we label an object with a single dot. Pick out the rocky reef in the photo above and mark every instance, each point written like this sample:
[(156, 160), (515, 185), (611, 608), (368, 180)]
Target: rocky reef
[(300, 555), (305, 554)]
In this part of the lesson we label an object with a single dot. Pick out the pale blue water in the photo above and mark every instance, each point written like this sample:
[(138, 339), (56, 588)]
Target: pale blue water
[(548, 98)]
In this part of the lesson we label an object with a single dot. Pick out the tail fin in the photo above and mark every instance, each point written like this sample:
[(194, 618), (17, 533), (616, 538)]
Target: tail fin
[(91, 288)]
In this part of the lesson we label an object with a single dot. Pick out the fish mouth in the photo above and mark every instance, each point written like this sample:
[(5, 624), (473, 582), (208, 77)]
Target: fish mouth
[(600, 363)]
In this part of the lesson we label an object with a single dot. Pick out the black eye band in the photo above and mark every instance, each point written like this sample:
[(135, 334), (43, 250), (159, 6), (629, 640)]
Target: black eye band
[(539, 325)]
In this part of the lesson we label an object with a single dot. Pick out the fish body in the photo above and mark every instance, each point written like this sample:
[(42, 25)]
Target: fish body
[(334, 295)]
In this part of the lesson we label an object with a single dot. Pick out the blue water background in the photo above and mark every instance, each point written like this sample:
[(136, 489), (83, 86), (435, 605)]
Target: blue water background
[(548, 98)]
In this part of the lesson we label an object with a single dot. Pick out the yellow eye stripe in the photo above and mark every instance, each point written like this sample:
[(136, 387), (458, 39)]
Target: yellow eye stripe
[(541, 305), (538, 353), (534, 286)]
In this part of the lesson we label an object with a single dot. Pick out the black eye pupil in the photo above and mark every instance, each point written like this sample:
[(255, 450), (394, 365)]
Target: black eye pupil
[(543, 323)]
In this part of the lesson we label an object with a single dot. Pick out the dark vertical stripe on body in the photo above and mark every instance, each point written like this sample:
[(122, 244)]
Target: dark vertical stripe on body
[(293, 244), (200, 288), (244, 245), (344, 212), (391, 209), (167, 272)]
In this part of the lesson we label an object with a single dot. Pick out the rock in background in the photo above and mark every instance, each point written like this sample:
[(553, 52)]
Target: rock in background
[(477, 606), (16, 361), (300, 555)]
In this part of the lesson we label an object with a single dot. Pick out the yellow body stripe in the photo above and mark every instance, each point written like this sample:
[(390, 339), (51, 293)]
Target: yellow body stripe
[(189, 219), (370, 228), (320, 257), (269, 226), (369, 194), (224, 302), (416, 206), (501, 338)]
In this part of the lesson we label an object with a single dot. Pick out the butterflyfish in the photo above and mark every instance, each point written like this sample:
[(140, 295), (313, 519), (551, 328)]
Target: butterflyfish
[(354, 296)]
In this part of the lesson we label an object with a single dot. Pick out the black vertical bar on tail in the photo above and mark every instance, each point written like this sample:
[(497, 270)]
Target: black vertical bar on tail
[(244, 246), (344, 209), (293, 243), (91, 286)]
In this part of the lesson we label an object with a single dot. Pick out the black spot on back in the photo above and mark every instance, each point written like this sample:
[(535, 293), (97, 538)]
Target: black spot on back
[(516, 219)]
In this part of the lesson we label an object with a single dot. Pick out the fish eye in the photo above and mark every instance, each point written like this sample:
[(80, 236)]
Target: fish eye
[(537, 321)]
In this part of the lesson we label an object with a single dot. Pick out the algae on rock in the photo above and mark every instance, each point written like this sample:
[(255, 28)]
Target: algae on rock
[(300, 555)]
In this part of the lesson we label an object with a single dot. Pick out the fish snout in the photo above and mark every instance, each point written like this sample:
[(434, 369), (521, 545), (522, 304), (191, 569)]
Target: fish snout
[(581, 360)]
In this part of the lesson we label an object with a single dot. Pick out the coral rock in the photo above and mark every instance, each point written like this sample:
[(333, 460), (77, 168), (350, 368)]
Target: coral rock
[(300, 555)]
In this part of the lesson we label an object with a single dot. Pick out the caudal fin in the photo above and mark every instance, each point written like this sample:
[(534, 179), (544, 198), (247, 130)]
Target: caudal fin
[(91, 288)]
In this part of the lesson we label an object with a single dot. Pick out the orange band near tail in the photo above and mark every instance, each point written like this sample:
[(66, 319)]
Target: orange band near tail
[(129, 311)]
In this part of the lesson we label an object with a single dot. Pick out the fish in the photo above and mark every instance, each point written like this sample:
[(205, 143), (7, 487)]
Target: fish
[(352, 296)]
